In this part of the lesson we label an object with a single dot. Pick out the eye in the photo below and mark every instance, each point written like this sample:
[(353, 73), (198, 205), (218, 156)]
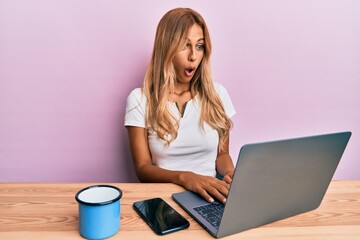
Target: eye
[(185, 46), (200, 47)]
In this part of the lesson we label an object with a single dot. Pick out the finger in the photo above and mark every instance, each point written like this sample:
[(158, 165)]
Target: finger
[(215, 193), (205, 195), (227, 179), (224, 190), (223, 183)]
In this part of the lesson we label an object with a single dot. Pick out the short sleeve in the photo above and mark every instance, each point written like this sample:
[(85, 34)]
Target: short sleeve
[(226, 100), (135, 109)]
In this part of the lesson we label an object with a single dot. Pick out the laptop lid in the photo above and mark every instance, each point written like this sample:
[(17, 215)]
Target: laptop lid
[(279, 179)]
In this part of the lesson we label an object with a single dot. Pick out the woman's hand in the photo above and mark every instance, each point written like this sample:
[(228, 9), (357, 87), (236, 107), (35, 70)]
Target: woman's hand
[(208, 187), (224, 163), (228, 178)]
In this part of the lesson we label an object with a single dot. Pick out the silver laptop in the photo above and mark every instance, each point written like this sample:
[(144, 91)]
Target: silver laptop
[(272, 181)]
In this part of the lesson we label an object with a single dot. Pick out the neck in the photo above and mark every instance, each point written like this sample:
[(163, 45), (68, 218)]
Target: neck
[(181, 92), (181, 88)]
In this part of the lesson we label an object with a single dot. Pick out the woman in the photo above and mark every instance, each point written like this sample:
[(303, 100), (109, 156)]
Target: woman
[(178, 123)]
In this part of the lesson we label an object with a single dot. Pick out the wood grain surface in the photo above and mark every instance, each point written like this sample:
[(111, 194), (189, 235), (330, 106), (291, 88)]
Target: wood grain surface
[(50, 211)]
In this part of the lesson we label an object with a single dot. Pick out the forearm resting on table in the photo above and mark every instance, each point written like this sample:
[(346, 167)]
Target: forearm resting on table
[(152, 173), (206, 186), (224, 165)]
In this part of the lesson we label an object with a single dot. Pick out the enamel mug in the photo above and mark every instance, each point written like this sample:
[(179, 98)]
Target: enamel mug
[(99, 211)]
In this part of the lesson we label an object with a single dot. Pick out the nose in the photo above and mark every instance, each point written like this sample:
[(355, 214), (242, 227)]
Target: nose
[(192, 55)]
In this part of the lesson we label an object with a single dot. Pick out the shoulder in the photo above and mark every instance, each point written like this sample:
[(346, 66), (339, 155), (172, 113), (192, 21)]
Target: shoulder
[(225, 98), (135, 108), (136, 99), (136, 96), (136, 93), (220, 89)]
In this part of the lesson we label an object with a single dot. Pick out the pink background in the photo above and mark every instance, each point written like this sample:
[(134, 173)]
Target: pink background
[(292, 69)]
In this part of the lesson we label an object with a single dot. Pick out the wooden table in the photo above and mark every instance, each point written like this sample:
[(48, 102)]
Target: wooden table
[(50, 211)]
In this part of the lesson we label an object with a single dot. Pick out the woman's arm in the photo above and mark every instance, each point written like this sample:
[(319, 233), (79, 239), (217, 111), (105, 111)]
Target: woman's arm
[(224, 163), (147, 172)]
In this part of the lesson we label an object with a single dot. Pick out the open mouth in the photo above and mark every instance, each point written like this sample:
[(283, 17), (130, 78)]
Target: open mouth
[(189, 71)]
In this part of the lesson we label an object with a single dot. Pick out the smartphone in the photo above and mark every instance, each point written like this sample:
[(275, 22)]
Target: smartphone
[(160, 216)]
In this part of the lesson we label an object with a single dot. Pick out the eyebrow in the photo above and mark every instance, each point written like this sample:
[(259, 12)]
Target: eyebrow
[(199, 40)]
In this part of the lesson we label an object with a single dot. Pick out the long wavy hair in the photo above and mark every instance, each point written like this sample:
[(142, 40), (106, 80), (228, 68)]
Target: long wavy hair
[(160, 78)]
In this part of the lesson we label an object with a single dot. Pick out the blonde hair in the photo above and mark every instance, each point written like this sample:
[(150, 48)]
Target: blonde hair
[(160, 78)]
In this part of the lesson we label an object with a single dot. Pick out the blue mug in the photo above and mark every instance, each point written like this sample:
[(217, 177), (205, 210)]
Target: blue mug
[(99, 211)]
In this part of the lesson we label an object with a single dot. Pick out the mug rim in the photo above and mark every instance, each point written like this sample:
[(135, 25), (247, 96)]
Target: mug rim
[(98, 203)]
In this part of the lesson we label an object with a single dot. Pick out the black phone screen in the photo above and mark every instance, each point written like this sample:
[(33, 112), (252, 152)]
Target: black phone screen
[(160, 216)]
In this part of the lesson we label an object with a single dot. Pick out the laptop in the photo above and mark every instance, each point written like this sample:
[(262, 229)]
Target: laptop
[(272, 181)]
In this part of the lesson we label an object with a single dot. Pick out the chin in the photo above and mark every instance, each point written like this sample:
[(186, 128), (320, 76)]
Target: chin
[(184, 81)]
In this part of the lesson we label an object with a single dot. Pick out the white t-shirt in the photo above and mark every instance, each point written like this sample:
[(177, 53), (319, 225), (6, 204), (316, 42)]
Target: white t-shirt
[(194, 149)]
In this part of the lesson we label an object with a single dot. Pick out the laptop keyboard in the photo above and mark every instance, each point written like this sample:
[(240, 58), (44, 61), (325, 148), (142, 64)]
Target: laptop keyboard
[(211, 212)]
